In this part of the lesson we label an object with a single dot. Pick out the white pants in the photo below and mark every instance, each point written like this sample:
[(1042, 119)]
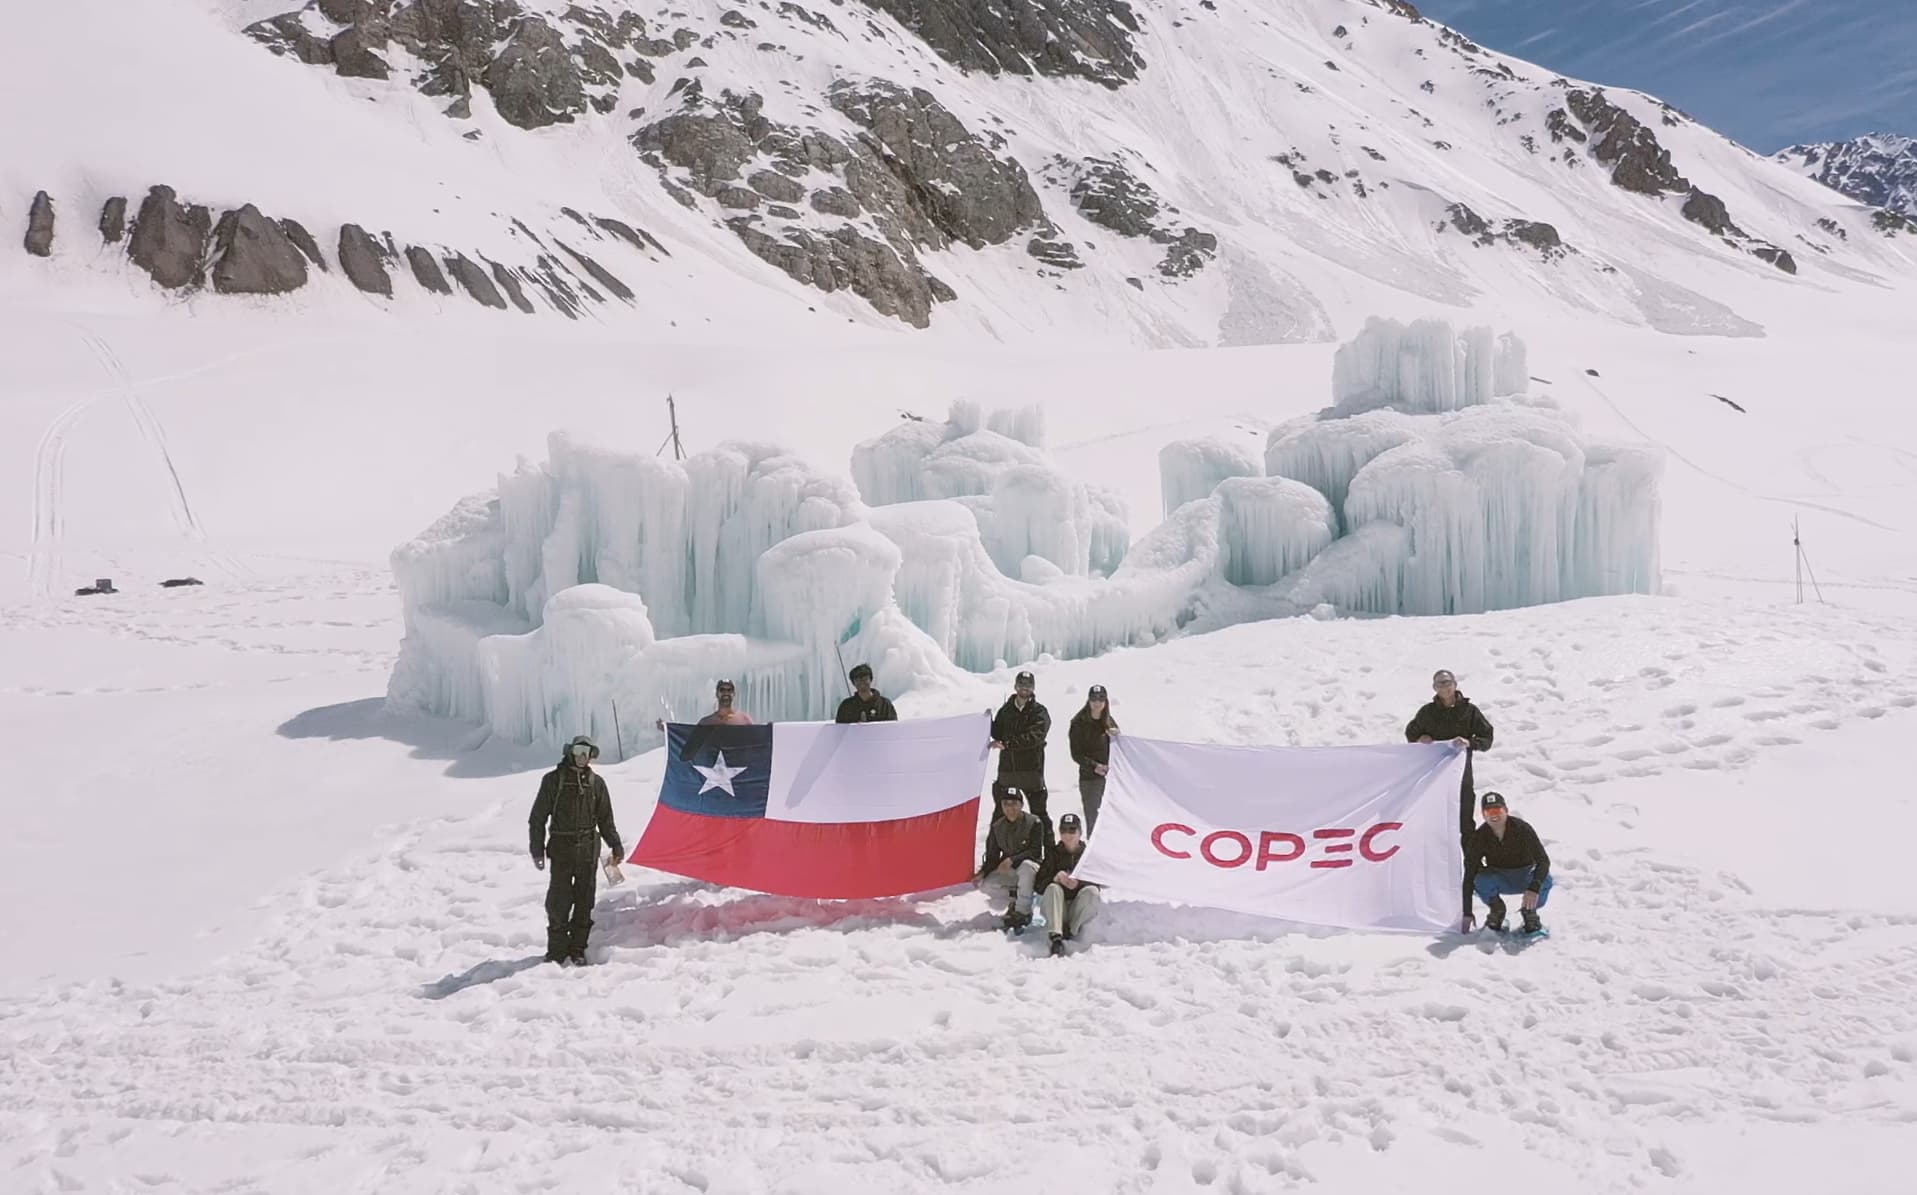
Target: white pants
[(1020, 880), (1068, 917)]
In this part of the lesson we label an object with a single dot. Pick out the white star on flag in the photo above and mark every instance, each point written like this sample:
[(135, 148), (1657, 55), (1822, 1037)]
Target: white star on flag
[(718, 775)]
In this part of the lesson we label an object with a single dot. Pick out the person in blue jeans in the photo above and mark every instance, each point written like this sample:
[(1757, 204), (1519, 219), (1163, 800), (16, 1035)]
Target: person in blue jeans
[(1504, 858)]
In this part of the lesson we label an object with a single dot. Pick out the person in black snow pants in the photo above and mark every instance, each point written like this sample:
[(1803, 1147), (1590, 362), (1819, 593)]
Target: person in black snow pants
[(1451, 717), (866, 703), (572, 810), (1019, 732), (1090, 735), (1506, 858)]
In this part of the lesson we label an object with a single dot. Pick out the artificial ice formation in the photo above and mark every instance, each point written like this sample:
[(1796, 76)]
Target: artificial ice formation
[(603, 589)]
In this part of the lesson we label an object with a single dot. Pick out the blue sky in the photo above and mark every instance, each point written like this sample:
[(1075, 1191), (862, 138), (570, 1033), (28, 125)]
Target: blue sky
[(1768, 73)]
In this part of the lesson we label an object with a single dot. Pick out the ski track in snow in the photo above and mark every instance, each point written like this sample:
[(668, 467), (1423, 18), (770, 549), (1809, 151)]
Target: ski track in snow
[(395, 1032)]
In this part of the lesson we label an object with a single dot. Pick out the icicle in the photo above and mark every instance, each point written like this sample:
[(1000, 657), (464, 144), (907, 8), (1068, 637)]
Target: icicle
[(1191, 469), (1270, 527)]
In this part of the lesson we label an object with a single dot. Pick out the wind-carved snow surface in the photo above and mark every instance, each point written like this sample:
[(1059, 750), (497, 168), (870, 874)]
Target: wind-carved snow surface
[(606, 580)]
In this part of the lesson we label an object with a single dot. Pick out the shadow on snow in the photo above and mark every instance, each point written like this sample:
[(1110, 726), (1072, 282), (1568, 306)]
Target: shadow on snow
[(470, 752)]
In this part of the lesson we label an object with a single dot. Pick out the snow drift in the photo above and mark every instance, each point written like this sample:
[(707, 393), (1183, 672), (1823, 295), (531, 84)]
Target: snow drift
[(606, 581)]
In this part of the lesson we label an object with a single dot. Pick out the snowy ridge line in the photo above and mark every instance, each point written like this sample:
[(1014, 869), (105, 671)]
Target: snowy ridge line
[(605, 577), (395, 1025)]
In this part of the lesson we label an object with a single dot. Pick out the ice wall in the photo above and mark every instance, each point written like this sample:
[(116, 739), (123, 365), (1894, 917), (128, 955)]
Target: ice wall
[(1424, 367), (1191, 469), (1270, 527)]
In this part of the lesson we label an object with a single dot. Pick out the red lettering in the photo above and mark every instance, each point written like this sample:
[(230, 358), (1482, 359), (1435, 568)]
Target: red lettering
[(1158, 840), (1265, 841), (1364, 844), (1244, 845), (1331, 863), (1334, 848)]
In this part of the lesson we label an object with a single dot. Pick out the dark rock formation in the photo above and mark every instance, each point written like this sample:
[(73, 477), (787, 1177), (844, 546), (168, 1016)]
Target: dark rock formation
[(1090, 39), (845, 260), (252, 256), (1540, 236), (1764, 251), (638, 238), (599, 273), (509, 283), (1108, 194), (1638, 162), (1188, 253), (474, 279), (113, 219), (426, 271), (835, 201), (303, 241), (169, 239), (775, 186), (40, 226), (363, 260), (354, 57), (534, 81), (1059, 254)]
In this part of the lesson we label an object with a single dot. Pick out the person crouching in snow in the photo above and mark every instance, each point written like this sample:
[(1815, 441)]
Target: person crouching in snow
[(1504, 859), (1014, 851), (1070, 903), (574, 801)]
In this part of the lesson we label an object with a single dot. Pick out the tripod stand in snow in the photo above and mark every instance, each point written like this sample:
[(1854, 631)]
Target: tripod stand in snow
[(1803, 566)]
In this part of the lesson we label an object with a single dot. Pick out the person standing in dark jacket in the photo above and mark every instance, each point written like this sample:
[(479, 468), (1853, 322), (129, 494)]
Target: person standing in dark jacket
[(866, 703), (1505, 858), (572, 810), (1452, 718), (1090, 735), (1014, 851), (1019, 732), (1070, 904)]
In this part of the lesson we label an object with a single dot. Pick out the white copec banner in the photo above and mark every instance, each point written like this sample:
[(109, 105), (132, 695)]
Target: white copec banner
[(1352, 837)]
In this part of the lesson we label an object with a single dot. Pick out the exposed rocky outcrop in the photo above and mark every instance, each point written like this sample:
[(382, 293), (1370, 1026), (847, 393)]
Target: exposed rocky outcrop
[(253, 256), (509, 283), (539, 70), (169, 239), (1055, 252), (1890, 223), (363, 260), (1535, 234), (113, 219), (304, 242), (1089, 39), (913, 178), (1877, 169), (475, 281), (426, 271), (1107, 193), (40, 225)]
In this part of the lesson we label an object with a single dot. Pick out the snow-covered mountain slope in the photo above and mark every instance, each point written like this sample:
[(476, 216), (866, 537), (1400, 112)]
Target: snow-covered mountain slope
[(1185, 175), (1879, 169)]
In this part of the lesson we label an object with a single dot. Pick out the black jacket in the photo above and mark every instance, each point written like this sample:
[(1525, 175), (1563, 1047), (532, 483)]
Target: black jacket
[(1459, 720), (1023, 732), (577, 805), (1060, 858), (1518, 848), (879, 709), (1091, 746), (1017, 841)]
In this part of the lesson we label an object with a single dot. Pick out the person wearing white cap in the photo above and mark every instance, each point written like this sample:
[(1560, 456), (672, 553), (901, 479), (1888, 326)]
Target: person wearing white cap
[(1450, 717)]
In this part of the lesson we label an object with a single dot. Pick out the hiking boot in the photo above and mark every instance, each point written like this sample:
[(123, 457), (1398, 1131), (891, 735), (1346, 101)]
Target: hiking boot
[(1015, 920), (1494, 920), (1531, 923), (1058, 945), (577, 958)]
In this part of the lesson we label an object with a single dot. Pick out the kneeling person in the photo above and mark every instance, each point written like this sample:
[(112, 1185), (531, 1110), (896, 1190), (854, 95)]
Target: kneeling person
[(1504, 858), (1070, 903), (1014, 851)]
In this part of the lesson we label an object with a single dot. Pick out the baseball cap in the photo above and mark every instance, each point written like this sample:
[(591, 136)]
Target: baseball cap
[(1492, 801), (859, 670), (1024, 678), (1069, 824), (1442, 675), (725, 682), (1012, 794), (1096, 691)]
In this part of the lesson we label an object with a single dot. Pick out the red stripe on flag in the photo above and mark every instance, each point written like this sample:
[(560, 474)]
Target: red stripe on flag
[(842, 861)]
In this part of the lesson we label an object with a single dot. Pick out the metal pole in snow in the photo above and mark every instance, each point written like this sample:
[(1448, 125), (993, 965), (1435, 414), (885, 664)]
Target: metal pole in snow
[(1797, 550), (618, 736)]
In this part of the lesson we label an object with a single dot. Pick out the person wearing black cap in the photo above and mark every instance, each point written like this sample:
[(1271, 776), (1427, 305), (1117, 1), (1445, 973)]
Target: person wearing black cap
[(1014, 851), (1505, 858), (866, 703), (1090, 735), (1019, 732), (572, 809), (1070, 904), (1450, 717)]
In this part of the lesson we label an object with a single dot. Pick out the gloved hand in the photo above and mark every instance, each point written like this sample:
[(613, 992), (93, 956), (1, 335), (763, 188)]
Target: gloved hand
[(539, 861)]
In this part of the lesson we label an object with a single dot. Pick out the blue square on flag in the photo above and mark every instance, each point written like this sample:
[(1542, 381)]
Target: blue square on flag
[(718, 770)]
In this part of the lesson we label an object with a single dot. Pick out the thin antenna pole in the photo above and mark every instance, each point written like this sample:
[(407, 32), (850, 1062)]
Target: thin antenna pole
[(1797, 554), (618, 735), (672, 437)]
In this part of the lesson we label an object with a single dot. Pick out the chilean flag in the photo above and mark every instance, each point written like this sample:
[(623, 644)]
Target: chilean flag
[(819, 809)]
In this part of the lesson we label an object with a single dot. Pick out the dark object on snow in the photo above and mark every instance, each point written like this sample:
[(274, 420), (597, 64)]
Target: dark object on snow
[(100, 585), (1733, 406), (1459, 720), (1594, 373), (571, 813), (176, 582), (40, 226)]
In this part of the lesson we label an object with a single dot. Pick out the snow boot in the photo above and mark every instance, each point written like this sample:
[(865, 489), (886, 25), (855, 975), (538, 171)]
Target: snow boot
[(577, 958), (1531, 923), (1058, 945), (1494, 920), (1015, 921)]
